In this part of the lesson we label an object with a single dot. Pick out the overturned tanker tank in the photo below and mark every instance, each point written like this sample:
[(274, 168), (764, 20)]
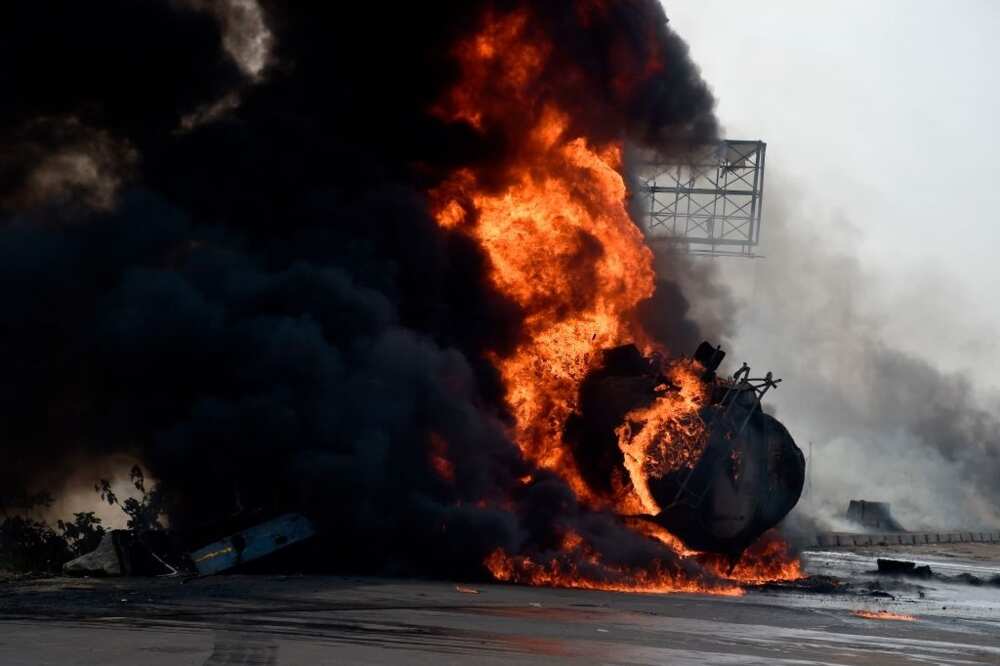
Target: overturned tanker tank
[(746, 475)]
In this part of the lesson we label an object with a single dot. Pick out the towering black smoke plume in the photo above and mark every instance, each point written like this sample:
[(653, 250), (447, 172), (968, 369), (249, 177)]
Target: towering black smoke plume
[(216, 256)]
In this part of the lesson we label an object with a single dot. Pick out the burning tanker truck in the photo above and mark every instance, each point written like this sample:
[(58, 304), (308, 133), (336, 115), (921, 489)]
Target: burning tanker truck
[(717, 477), (741, 472), (414, 325)]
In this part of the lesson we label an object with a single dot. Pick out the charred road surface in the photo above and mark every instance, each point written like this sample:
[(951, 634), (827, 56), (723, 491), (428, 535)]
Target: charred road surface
[(325, 620)]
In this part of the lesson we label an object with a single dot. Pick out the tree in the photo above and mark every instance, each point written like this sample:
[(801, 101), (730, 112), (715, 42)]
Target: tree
[(143, 513)]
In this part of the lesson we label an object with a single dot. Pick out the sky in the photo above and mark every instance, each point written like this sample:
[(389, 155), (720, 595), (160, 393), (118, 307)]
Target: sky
[(880, 120)]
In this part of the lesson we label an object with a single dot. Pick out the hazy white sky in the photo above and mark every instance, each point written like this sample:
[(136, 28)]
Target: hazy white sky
[(881, 123)]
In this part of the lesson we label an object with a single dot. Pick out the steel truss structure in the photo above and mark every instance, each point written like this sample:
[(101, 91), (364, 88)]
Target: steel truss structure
[(710, 203)]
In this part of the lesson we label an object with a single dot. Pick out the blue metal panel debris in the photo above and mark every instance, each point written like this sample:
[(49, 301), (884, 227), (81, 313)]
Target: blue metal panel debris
[(252, 543)]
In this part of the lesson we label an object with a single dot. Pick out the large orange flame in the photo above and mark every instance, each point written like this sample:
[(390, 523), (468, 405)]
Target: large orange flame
[(665, 436), (561, 244)]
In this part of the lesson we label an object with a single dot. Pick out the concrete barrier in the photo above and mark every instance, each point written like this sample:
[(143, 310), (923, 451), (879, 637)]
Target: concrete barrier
[(848, 539)]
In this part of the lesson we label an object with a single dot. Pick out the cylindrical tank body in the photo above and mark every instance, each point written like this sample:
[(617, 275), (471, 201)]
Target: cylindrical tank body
[(748, 479)]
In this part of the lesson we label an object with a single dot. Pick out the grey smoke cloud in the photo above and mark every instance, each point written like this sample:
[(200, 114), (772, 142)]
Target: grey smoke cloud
[(886, 423), (245, 33), (60, 160)]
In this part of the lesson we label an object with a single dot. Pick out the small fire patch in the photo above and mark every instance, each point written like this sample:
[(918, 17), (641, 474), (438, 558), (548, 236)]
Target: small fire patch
[(883, 615)]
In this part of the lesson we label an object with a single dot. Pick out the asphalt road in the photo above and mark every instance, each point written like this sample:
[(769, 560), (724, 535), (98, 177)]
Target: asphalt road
[(321, 620)]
